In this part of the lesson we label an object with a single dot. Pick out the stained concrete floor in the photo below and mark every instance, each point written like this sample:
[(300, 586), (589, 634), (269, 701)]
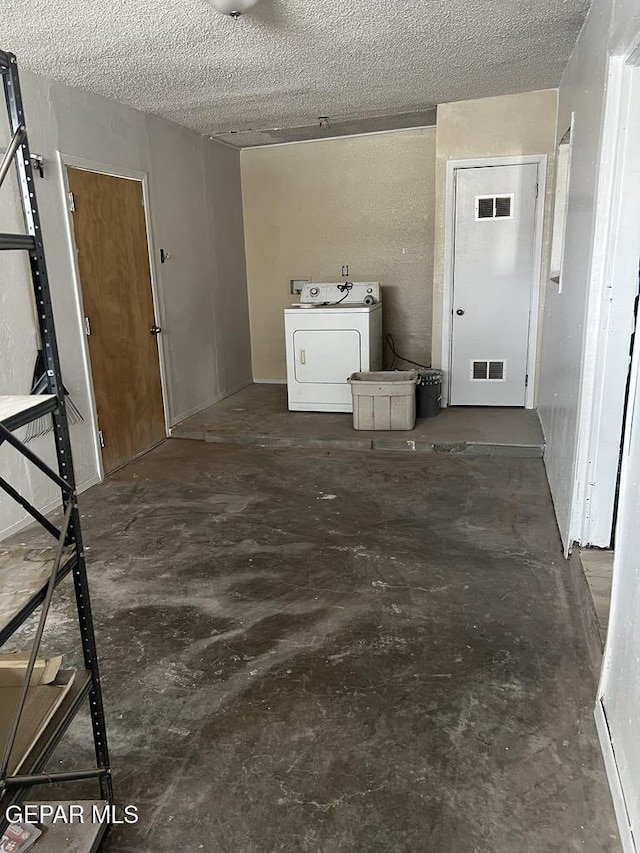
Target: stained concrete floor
[(337, 651), (258, 415)]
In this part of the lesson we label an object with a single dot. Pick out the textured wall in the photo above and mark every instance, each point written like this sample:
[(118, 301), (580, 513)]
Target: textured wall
[(311, 207), (195, 203), (490, 127), (197, 216)]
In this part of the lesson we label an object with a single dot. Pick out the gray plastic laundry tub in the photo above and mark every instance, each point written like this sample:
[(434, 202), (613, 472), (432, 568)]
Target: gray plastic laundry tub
[(384, 399)]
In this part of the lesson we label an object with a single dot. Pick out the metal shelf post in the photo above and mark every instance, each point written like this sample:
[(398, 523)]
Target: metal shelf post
[(31, 241)]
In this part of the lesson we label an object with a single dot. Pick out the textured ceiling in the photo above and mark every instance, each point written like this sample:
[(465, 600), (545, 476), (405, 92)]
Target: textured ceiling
[(287, 62)]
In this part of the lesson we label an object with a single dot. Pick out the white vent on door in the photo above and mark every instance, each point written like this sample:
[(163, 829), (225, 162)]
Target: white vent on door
[(487, 370), (494, 206)]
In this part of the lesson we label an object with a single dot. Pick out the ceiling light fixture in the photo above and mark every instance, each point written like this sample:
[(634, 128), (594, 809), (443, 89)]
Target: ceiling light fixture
[(234, 8)]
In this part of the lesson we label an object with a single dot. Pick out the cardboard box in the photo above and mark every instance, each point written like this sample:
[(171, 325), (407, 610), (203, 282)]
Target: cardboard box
[(47, 690)]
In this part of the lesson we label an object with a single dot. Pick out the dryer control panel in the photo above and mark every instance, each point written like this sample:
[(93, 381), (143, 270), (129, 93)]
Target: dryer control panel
[(343, 292)]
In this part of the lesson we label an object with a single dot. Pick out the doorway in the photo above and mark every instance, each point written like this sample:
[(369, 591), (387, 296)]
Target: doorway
[(493, 276), (110, 234), (612, 310), (495, 364)]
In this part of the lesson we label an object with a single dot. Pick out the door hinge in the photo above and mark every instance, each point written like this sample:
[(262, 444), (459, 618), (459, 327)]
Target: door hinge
[(537, 189), (526, 380), (87, 326), (101, 437), (71, 202)]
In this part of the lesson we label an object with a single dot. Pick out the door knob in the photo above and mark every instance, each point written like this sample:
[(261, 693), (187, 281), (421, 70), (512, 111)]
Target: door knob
[(155, 330), (460, 312)]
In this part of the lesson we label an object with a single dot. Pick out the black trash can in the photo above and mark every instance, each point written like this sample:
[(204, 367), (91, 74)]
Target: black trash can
[(428, 393)]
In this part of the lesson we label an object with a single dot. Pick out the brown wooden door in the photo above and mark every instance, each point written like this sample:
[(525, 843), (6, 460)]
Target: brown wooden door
[(113, 259)]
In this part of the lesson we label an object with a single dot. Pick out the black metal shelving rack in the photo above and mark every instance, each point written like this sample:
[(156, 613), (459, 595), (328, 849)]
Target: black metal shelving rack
[(69, 557)]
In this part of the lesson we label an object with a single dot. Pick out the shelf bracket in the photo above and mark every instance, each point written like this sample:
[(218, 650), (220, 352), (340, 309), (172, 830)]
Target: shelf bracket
[(16, 141)]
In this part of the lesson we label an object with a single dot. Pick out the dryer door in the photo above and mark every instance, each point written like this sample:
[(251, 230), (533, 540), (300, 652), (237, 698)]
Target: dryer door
[(326, 355)]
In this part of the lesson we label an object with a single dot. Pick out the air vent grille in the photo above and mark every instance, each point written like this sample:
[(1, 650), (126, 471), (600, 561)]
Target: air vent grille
[(494, 206), (503, 206), (488, 370), (496, 369), (485, 208), (479, 369)]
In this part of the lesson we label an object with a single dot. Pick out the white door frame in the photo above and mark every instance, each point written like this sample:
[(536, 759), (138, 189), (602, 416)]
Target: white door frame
[(540, 160), (89, 165), (609, 311)]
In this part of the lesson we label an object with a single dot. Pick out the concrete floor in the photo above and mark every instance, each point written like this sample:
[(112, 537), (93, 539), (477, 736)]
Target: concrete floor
[(258, 415), (305, 650)]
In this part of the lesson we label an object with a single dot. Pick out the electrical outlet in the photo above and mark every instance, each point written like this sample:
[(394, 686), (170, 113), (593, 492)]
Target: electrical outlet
[(345, 270)]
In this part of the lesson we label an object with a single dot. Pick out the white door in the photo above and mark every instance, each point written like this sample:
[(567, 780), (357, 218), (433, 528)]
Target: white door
[(620, 680), (493, 275), (326, 355)]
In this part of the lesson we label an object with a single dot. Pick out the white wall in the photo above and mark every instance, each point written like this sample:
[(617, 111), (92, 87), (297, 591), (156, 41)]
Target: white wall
[(196, 214), (619, 691), (565, 385), (196, 205)]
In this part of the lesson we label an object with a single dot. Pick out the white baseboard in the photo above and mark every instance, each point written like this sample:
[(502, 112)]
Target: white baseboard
[(26, 519), (270, 381), (49, 507), (615, 785), (92, 481)]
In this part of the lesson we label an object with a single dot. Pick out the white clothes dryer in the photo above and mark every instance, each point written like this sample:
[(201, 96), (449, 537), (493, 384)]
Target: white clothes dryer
[(335, 330)]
